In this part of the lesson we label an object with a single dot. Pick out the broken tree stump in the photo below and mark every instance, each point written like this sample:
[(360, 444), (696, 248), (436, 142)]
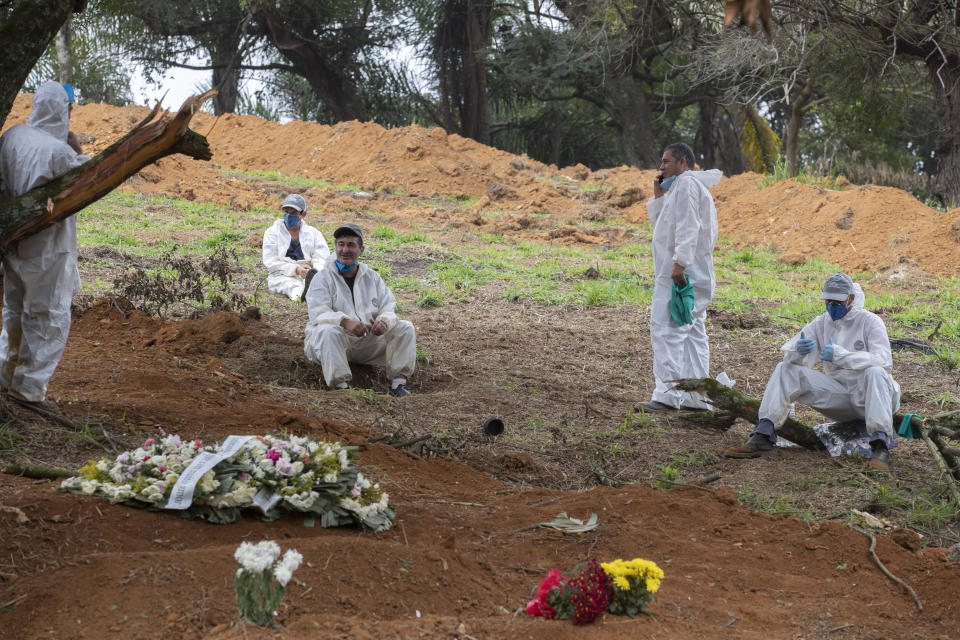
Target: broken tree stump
[(25, 215)]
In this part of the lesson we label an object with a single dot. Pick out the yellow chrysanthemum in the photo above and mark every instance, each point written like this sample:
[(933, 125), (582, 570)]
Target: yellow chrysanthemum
[(622, 570)]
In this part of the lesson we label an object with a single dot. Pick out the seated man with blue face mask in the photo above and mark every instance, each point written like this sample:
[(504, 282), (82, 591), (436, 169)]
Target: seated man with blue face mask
[(353, 319), (293, 251), (856, 384)]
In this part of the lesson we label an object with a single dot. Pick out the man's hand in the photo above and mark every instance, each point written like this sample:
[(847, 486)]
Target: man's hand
[(805, 345), (657, 191), (302, 271), (378, 327), (679, 275), (355, 327), (74, 142)]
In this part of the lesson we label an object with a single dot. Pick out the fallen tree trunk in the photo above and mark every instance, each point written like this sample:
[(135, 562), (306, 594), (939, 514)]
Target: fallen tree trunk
[(742, 406), (25, 215)]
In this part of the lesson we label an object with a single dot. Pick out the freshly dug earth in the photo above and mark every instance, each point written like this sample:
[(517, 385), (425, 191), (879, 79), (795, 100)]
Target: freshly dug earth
[(860, 228), (462, 558)]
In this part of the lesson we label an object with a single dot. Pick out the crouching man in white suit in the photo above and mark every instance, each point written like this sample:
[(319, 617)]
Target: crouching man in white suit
[(293, 251), (353, 319)]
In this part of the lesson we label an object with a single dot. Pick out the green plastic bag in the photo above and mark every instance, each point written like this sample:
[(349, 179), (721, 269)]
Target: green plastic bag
[(681, 303)]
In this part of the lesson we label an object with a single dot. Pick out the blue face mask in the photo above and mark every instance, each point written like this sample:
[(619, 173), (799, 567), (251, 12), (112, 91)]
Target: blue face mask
[(291, 220), (836, 310), (665, 184), (344, 269)]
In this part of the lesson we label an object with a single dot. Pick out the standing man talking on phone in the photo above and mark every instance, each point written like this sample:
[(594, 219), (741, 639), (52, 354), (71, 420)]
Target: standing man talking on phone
[(684, 223)]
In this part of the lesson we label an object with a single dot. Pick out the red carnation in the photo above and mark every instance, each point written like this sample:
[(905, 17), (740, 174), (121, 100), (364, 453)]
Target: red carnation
[(538, 606)]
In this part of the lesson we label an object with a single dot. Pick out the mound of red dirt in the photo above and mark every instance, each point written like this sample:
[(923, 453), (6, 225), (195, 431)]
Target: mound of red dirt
[(860, 228)]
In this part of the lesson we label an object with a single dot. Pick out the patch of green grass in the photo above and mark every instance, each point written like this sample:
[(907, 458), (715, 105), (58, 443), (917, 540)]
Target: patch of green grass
[(491, 238), (430, 299), (667, 477), (389, 240), (692, 459), (778, 505), (293, 181), (403, 283), (423, 358), (9, 440), (780, 173)]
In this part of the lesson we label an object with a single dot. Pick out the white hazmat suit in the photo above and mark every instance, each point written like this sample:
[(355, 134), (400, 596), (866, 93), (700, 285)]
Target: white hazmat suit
[(282, 275), (330, 299), (857, 384), (684, 232), (40, 273)]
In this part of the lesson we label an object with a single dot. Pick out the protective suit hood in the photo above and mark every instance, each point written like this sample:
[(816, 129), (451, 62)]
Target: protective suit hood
[(51, 110), (708, 178)]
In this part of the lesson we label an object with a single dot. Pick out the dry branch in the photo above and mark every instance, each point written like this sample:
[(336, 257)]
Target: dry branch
[(876, 559), (25, 215)]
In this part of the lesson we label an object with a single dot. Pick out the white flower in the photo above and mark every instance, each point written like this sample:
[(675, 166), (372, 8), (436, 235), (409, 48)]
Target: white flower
[(303, 500), (89, 487), (208, 483), (282, 574), (292, 559), (344, 459)]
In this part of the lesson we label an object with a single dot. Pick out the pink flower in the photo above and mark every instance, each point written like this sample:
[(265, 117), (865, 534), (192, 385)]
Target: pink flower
[(161, 469), (284, 468), (145, 458), (356, 491), (273, 454), (306, 459), (197, 444), (148, 442)]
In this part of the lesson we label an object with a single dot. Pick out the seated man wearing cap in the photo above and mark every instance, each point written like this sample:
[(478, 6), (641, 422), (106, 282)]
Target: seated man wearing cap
[(293, 251), (856, 384), (352, 318)]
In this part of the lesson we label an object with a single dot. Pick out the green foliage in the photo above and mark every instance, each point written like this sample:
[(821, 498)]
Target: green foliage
[(431, 299), (178, 281), (9, 440)]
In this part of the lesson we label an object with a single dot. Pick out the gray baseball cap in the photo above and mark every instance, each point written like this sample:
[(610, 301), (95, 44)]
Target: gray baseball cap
[(348, 229), (838, 287), (296, 201)]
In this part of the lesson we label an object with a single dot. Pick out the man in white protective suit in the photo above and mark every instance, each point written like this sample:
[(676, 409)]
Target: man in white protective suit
[(856, 384), (684, 223), (353, 319), (293, 251), (40, 273)]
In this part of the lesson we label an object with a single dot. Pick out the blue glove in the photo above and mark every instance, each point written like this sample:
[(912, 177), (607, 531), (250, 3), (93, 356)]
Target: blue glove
[(827, 353), (805, 345)]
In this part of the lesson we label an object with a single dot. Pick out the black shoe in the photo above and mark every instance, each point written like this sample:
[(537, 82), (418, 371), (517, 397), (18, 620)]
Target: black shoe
[(306, 284), (757, 444), (399, 391), (880, 456), (653, 405)]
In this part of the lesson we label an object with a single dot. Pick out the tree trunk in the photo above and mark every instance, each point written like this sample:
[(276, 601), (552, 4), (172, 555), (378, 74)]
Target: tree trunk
[(26, 33), (330, 74), (626, 103), (706, 140), (225, 58), (474, 112), (25, 215), (65, 51), (945, 75), (797, 112)]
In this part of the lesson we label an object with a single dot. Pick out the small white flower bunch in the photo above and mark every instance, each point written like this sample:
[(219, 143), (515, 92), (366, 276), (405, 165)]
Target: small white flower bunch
[(260, 584)]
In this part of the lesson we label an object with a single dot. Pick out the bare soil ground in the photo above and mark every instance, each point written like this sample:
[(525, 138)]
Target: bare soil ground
[(460, 561)]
